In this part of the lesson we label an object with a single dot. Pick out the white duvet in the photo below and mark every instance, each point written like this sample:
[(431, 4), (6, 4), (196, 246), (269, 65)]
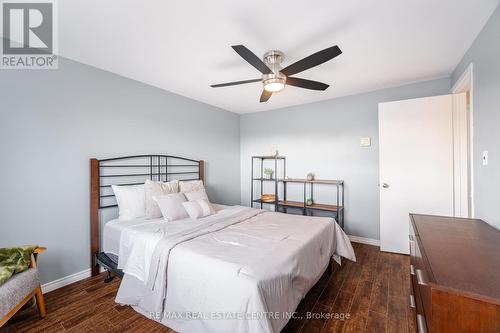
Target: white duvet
[(240, 270)]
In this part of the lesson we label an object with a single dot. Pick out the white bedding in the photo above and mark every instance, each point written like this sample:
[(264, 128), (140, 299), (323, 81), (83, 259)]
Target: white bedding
[(112, 233), (113, 230), (244, 272)]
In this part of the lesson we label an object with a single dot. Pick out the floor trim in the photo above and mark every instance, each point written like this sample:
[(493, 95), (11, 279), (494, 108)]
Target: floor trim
[(363, 240), (64, 281)]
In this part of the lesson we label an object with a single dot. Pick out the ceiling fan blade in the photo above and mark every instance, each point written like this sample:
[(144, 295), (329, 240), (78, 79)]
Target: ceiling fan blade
[(311, 61), (264, 97), (252, 59), (234, 83), (308, 84)]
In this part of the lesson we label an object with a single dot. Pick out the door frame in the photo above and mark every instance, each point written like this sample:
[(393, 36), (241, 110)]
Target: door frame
[(465, 83)]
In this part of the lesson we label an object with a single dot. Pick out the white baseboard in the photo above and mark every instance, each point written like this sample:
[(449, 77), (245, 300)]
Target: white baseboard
[(64, 281), (363, 240)]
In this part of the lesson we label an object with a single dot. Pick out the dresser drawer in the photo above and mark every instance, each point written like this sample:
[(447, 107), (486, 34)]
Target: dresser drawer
[(419, 281), (424, 291), (418, 309), (413, 251)]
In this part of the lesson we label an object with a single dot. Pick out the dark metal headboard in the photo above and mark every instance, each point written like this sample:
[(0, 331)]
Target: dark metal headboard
[(132, 170)]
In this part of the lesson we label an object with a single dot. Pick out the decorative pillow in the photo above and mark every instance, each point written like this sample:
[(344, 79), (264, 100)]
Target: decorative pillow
[(131, 201), (171, 206), (196, 195), (190, 186), (198, 208), (154, 188)]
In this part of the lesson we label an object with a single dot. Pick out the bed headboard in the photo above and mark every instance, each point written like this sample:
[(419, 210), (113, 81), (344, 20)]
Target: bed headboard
[(131, 170)]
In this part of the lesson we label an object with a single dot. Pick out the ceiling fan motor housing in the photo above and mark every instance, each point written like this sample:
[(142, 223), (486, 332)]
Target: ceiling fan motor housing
[(275, 81)]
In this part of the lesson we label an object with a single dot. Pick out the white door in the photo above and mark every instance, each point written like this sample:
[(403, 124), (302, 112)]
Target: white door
[(416, 165)]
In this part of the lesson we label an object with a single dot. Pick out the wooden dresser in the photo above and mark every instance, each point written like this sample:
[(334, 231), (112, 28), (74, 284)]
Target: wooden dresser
[(455, 274)]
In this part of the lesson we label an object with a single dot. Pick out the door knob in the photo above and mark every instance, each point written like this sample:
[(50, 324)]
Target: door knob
[(385, 185)]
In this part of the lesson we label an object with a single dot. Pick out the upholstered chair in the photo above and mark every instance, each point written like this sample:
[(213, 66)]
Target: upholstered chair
[(20, 288)]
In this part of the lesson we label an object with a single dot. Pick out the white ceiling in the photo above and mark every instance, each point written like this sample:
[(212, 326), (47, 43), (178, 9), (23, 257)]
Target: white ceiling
[(184, 46)]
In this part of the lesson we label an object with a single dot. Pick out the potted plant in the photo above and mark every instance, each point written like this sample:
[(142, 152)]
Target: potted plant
[(269, 173)]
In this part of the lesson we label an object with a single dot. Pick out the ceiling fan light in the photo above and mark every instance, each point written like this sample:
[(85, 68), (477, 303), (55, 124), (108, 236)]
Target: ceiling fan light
[(274, 85)]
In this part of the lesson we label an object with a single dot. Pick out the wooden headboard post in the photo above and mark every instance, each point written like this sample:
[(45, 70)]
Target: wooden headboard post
[(94, 215), (202, 171)]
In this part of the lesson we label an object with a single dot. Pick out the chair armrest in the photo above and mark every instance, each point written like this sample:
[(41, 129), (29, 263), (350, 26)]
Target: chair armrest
[(40, 249), (34, 255)]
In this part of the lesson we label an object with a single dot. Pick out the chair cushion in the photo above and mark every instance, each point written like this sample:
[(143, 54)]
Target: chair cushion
[(16, 289)]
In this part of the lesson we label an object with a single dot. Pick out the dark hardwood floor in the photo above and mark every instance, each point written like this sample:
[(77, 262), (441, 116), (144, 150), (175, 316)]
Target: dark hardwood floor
[(373, 292)]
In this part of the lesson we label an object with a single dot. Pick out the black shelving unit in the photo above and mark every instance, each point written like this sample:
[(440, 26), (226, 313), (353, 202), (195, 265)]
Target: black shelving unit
[(259, 179), (336, 209)]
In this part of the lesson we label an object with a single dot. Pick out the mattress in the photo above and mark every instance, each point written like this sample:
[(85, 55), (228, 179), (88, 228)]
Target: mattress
[(112, 233), (113, 230)]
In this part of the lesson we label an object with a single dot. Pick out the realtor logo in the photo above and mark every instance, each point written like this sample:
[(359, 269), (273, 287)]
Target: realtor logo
[(28, 31)]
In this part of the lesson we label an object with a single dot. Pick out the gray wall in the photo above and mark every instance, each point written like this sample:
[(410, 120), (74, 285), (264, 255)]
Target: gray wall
[(324, 138), (485, 55), (53, 121)]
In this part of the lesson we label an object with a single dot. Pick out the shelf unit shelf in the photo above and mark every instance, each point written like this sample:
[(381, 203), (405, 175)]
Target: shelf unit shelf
[(265, 179), (264, 202), (315, 181), (269, 157), (316, 206)]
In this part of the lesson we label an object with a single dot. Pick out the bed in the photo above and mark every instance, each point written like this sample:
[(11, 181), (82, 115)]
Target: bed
[(238, 270)]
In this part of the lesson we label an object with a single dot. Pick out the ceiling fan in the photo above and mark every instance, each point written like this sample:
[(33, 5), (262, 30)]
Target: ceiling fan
[(274, 77)]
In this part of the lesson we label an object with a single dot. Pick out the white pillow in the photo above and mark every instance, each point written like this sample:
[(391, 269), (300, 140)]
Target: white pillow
[(154, 188), (131, 201), (198, 208), (196, 195), (190, 186), (171, 206)]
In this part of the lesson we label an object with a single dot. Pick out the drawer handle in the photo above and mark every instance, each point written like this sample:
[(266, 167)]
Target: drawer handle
[(412, 301), (412, 270), (422, 328), (420, 278)]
